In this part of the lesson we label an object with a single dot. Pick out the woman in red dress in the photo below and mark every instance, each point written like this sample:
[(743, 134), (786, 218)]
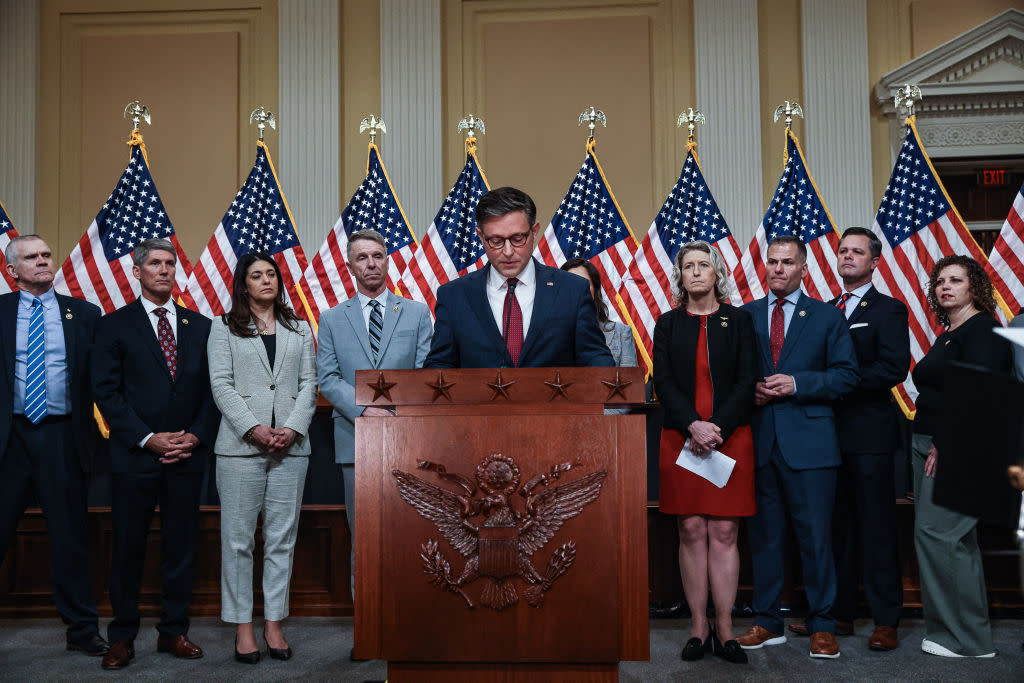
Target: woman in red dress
[(705, 369)]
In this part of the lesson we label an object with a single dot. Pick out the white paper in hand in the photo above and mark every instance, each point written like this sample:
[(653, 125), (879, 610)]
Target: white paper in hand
[(715, 467)]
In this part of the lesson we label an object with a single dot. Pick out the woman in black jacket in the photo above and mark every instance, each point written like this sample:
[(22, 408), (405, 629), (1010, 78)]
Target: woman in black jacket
[(705, 369)]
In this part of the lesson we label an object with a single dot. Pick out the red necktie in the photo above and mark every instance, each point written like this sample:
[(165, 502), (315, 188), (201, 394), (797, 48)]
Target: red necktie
[(167, 344), (841, 304), (778, 331), (512, 316)]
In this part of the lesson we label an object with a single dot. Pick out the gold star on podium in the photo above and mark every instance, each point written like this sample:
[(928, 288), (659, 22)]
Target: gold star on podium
[(500, 387), (441, 387), (559, 387), (381, 388), (616, 387)]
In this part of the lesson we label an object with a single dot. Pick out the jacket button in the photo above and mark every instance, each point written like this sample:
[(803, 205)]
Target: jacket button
[(273, 386)]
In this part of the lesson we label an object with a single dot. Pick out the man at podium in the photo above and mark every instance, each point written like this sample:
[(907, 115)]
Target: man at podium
[(515, 312)]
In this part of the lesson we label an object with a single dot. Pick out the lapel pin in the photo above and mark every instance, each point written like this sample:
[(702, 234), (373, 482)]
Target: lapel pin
[(184, 321), (550, 284), (803, 313), (863, 303), (395, 308), (68, 315), (725, 324)]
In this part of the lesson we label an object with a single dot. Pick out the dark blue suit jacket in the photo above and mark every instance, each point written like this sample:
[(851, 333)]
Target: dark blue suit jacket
[(79, 320), (135, 393), (819, 355), (563, 330)]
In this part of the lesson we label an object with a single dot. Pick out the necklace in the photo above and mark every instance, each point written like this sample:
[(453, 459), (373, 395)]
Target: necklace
[(262, 327)]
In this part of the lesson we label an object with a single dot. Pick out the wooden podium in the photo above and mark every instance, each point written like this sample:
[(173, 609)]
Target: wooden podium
[(501, 531)]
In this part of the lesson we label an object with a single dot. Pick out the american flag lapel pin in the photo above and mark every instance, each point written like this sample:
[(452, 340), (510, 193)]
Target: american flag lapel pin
[(550, 284)]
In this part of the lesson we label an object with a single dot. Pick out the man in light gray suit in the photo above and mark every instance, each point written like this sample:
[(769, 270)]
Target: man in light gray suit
[(374, 329)]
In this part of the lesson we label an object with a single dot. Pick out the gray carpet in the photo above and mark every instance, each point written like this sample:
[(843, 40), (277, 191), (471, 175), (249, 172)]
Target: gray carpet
[(33, 650)]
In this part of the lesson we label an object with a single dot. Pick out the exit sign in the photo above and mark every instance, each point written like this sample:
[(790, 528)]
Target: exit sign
[(995, 176)]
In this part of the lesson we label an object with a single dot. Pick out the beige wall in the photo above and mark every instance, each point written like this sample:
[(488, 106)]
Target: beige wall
[(933, 22)]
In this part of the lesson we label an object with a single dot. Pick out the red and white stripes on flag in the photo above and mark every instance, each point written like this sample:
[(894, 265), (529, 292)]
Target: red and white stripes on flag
[(918, 225), (258, 220), (689, 213), (796, 209), (99, 268), (1006, 262), (450, 248), (7, 233)]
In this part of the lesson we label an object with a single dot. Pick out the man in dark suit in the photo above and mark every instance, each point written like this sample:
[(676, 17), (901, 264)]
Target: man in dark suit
[(47, 434), (868, 423), (808, 362), (151, 381), (515, 312)]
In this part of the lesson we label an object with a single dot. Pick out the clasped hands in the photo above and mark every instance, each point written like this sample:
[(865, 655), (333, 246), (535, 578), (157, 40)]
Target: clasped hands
[(172, 447), (704, 437), (773, 387), (273, 440)]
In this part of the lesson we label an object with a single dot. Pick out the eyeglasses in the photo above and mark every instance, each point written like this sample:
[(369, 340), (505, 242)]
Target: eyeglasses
[(499, 242)]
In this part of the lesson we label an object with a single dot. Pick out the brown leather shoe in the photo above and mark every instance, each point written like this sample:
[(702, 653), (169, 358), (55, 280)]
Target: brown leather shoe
[(179, 646), (843, 628), (884, 638), (119, 655), (757, 637), (824, 645)]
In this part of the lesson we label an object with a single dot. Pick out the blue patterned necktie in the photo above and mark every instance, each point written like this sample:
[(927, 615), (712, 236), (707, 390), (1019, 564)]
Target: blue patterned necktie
[(35, 383)]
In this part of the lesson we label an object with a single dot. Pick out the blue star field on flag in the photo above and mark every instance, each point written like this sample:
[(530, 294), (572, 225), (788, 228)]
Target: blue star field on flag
[(374, 207), (5, 222), (913, 199), (689, 213), (795, 208), (257, 219), (587, 222), (133, 212), (456, 221)]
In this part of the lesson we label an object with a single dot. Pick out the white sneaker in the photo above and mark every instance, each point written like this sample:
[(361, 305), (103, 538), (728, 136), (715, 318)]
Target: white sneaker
[(933, 648)]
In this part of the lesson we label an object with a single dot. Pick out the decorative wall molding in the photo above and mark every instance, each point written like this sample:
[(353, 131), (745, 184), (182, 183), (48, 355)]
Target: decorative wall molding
[(973, 92), (309, 130), (728, 93), (838, 116), (19, 54), (410, 80)]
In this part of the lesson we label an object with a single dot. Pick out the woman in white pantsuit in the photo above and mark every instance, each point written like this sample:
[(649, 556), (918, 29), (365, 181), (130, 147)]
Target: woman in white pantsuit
[(263, 375)]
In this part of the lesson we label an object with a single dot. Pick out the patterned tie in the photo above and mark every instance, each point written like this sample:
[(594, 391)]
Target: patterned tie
[(841, 304), (512, 316), (35, 383), (167, 343), (376, 328), (778, 331)]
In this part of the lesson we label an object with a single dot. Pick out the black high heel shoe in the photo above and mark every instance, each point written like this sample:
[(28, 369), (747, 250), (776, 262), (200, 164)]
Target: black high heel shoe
[(730, 650), (695, 648), (246, 657), (276, 653)]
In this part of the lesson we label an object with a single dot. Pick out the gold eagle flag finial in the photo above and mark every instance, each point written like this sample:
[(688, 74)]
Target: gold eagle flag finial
[(373, 125), (592, 117), (137, 112), (789, 110), (691, 117), (905, 98), (470, 123), (262, 118)]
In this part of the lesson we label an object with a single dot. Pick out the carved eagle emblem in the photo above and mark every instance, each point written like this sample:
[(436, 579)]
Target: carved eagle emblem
[(481, 521)]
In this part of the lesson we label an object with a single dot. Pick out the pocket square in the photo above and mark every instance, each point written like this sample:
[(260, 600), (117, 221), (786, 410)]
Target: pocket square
[(856, 325)]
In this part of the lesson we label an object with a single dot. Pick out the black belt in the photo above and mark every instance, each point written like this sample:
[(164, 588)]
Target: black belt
[(48, 420)]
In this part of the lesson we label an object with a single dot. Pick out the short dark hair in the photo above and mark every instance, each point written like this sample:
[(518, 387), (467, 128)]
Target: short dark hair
[(595, 281), (503, 201), (143, 249), (874, 244), (790, 239)]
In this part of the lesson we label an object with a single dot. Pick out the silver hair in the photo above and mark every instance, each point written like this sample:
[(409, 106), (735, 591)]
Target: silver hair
[(367, 234), (679, 295), (11, 252), (143, 248)]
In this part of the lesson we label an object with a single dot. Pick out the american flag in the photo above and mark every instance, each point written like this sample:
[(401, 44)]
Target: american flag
[(589, 224), (689, 213), (257, 220), (7, 233), (326, 280), (450, 248), (796, 209), (99, 268), (1006, 262), (918, 225)]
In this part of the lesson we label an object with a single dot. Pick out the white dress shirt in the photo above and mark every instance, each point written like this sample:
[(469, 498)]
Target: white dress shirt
[(856, 296), (154, 320), (364, 306), (526, 290)]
